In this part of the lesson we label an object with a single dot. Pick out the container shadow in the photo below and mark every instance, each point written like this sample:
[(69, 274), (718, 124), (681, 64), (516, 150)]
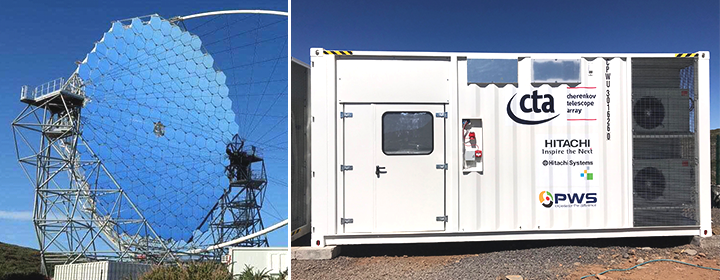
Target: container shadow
[(463, 248)]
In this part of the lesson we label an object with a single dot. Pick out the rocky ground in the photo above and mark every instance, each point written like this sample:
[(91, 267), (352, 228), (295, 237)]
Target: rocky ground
[(550, 259)]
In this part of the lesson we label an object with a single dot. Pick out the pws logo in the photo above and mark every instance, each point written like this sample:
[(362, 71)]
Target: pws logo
[(539, 104), (546, 199), (568, 199)]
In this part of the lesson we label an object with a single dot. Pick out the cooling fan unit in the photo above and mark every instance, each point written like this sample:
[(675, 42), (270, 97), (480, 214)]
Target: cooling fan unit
[(661, 110), (649, 112)]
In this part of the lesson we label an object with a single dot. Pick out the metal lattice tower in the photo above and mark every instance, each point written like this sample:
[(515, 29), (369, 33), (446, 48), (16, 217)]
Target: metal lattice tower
[(237, 212), (69, 179)]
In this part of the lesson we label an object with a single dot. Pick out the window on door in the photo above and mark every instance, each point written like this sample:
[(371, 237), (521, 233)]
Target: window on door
[(407, 133)]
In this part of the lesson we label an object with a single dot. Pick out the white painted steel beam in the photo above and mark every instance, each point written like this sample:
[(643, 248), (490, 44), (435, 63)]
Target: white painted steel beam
[(241, 239), (230, 12)]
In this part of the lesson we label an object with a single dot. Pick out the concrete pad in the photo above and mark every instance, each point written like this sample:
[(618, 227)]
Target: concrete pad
[(707, 242), (314, 253)]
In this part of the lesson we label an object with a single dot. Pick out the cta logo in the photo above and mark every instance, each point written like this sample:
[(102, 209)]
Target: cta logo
[(533, 103), (568, 199)]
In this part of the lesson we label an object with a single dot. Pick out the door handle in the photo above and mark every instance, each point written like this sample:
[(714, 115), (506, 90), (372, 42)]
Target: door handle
[(378, 172)]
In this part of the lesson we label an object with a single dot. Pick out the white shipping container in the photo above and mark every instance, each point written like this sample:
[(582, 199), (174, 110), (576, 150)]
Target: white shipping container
[(440, 147), (103, 270), (272, 259)]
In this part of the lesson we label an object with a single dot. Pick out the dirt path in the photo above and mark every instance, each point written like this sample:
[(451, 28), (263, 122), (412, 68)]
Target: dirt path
[(655, 270)]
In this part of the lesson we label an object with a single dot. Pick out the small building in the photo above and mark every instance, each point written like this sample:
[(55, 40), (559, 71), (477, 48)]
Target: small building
[(102, 270), (275, 260)]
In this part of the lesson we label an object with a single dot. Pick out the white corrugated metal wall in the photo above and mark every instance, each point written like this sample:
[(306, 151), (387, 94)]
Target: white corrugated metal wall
[(104, 270)]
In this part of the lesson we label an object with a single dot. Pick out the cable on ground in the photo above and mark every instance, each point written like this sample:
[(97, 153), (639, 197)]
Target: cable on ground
[(647, 262)]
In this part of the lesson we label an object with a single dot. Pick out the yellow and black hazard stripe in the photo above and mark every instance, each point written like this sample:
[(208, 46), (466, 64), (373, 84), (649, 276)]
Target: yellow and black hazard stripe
[(685, 54), (338, 52), (295, 232)]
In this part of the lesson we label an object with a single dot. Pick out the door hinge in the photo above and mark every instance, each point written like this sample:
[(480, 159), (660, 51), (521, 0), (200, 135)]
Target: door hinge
[(345, 221), (441, 219), (441, 166), (441, 115), (345, 115), (345, 167)]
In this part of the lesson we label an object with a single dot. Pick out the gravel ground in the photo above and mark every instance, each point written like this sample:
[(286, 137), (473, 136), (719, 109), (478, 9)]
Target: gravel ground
[(550, 259), (533, 260)]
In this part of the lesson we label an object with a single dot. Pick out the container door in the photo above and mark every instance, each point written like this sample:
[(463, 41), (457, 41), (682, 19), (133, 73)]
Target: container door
[(398, 180), (359, 176)]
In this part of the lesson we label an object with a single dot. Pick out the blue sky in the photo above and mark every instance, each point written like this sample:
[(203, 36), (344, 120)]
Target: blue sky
[(512, 26), (41, 40)]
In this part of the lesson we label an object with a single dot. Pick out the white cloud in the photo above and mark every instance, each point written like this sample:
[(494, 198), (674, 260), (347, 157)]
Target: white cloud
[(16, 215)]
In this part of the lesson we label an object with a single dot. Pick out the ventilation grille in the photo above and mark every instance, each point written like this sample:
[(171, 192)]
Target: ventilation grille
[(664, 140)]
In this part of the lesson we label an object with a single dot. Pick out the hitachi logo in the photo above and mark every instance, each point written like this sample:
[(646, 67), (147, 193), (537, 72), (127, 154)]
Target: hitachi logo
[(567, 143)]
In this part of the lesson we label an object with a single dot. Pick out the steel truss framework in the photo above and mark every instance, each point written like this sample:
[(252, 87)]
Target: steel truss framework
[(237, 212), (69, 180), (81, 212)]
